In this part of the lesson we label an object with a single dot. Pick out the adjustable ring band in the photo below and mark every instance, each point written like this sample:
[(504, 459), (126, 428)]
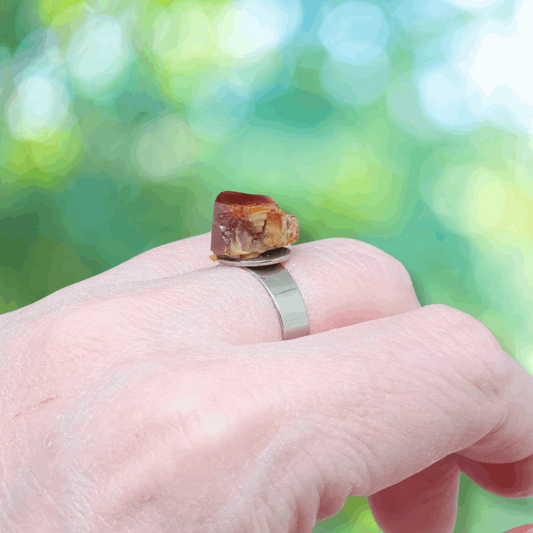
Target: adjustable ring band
[(281, 287), (286, 297)]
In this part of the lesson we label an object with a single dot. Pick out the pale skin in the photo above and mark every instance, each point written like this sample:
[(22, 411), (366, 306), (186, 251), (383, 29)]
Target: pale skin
[(159, 397)]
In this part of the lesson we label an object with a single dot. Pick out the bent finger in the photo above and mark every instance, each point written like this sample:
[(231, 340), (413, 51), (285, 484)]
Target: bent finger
[(389, 398), (502, 462), (425, 502), (527, 528), (509, 480)]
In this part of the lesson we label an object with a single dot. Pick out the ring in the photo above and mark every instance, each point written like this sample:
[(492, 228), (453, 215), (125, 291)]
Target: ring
[(240, 221), (286, 297), (281, 287)]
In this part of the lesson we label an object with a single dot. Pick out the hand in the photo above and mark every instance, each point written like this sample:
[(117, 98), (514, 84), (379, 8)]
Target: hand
[(157, 397)]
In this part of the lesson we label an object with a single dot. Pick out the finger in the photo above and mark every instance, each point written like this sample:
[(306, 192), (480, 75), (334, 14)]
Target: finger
[(528, 528), (509, 480), (342, 281), (502, 463), (512, 439), (390, 398), (425, 502), (505, 470)]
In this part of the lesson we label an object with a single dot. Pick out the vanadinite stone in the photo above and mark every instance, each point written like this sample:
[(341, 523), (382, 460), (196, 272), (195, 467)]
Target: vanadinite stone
[(247, 225)]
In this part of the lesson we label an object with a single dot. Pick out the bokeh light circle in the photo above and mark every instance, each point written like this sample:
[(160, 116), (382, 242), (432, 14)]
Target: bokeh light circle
[(164, 147), (98, 53), (354, 32), (255, 27), (357, 69), (37, 109)]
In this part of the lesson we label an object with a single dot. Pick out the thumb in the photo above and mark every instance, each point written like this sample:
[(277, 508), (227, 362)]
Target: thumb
[(527, 528)]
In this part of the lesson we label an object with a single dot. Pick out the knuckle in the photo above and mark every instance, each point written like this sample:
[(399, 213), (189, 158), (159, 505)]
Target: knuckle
[(383, 265), (477, 349), (467, 324), (397, 273), (96, 320)]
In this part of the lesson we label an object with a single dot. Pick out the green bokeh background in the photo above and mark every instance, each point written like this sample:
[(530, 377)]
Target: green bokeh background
[(117, 135)]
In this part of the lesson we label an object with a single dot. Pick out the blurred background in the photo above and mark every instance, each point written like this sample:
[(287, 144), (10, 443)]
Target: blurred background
[(406, 124)]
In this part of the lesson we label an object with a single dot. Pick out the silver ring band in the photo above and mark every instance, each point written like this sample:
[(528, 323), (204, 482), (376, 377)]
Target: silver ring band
[(286, 297)]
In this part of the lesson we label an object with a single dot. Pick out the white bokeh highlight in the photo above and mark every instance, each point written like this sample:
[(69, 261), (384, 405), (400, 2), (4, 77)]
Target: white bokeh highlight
[(473, 5), (442, 97), (38, 108), (487, 75), (357, 69), (255, 27), (163, 148), (98, 53), (354, 32)]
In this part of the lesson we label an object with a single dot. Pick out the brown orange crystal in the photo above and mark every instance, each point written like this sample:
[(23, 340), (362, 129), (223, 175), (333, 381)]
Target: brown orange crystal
[(247, 225)]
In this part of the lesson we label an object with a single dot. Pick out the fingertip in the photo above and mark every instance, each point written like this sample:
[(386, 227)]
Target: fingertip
[(527, 528)]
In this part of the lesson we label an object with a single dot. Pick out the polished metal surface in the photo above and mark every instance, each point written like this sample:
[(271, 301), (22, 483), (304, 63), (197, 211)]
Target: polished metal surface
[(281, 287), (270, 257)]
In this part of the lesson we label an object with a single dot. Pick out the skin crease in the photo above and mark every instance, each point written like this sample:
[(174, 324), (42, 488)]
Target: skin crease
[(158, 396)]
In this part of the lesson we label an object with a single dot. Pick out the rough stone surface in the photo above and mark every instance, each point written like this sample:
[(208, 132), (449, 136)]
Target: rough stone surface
[(247, 225)]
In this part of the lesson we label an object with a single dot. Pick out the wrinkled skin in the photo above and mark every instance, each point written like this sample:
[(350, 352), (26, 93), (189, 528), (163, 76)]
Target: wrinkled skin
[(159, 397)]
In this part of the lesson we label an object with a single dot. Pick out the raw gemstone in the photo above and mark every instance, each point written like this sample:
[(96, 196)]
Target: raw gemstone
[(247, 225)]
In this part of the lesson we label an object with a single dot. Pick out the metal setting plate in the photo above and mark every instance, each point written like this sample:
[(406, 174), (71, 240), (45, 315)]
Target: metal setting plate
[(270, 257)]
